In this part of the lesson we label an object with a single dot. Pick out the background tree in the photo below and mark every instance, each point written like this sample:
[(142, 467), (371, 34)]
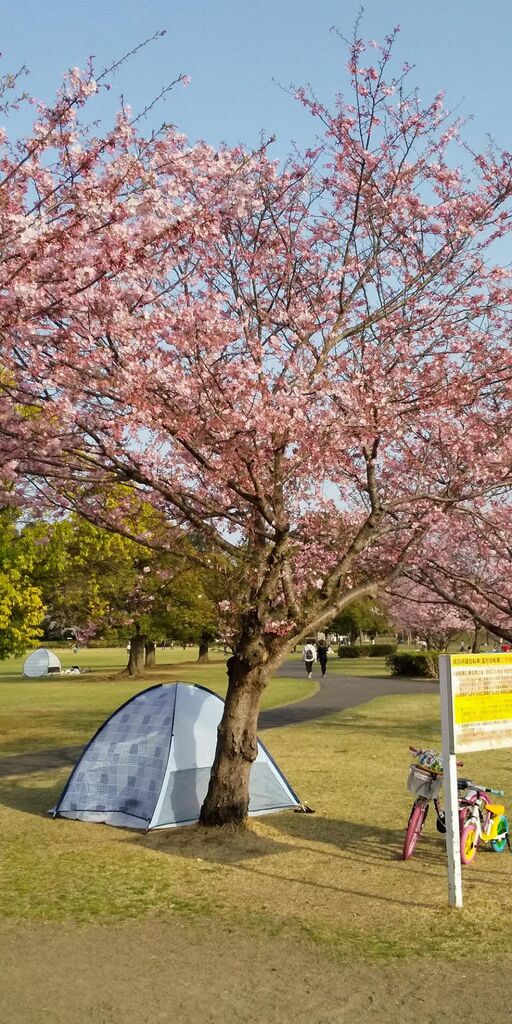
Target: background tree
[(367, 615), (308, 365), (421, 614), (99, 584), (471, 573), (21, 605)]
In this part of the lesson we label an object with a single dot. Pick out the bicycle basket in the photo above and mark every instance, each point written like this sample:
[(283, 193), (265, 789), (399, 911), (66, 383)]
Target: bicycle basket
[(422, 783)]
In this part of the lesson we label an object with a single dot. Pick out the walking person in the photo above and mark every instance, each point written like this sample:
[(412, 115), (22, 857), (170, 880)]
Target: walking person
[(321, 653), (309, 656)]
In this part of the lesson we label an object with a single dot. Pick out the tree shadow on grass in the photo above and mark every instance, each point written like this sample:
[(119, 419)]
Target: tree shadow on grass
[(299, 831), (224, 846), (368, 845), (336, 888), (369, 842), (376, 844), (31, 799), (331, 840), (239, 849), (386, 728), (227, 845), (30, 762)]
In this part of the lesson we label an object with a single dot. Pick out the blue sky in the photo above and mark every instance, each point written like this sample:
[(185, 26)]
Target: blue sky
[(234, 52)]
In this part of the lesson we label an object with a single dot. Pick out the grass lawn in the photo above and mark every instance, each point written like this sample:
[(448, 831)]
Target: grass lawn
[(335, 876), (103, 660), (359, 666), (62, 711)]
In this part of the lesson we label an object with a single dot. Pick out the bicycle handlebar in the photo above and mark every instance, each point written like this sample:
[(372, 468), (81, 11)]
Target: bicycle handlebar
[(467, 784), (417, 753), (462, 783)]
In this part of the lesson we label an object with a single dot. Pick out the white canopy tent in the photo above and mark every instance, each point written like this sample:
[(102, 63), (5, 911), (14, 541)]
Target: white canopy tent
[(41, 663), (149, 764)]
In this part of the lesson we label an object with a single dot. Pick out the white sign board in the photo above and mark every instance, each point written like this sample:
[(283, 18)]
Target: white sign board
[(476, 714), (481, 695)]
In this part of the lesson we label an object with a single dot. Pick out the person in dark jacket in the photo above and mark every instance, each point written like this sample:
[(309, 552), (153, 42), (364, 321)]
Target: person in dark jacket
[(321, 653)]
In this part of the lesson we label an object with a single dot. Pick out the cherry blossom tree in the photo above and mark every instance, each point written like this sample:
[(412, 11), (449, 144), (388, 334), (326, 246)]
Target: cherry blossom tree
[(471, 570), (305, 365), (420, 612)]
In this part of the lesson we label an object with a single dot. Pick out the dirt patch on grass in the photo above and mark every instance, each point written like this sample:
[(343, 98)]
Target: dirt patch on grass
[(167, 969)]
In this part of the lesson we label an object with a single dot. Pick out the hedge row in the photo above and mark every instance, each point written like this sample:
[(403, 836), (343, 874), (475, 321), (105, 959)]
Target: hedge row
[(366, 650), (66, 645), (54, 645), (414, 663)]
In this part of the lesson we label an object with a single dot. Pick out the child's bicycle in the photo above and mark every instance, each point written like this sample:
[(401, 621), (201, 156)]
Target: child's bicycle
[(479, 821)]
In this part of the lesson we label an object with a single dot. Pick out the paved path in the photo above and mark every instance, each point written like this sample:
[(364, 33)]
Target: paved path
[(336, 693)]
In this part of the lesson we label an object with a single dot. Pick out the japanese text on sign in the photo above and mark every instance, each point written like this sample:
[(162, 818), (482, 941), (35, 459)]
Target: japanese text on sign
[(481, 688)]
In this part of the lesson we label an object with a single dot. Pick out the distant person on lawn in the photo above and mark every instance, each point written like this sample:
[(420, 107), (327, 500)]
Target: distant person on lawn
[(321, 653), (309, 656)]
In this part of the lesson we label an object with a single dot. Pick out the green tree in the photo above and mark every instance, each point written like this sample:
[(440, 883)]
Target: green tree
[(84, 573), (186, 610), (21, 606), (363, 616), (98, 583)]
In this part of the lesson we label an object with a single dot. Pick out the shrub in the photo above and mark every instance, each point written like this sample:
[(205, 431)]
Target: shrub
[(348, 651), (57, 645), (414, 663), (379, 650)]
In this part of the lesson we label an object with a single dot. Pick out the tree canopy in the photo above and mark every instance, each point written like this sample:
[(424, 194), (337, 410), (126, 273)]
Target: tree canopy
[(470, 571), (307, 365), (96, 584), (365, 615)]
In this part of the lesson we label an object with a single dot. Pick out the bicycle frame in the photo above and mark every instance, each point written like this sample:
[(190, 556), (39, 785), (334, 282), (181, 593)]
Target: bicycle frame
[(479, 820), (474, 805)]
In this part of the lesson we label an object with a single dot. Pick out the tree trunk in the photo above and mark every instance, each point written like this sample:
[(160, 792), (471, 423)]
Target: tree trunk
[(135, 666), (474, 647), (204, 644), (150, 649), (227, 799)]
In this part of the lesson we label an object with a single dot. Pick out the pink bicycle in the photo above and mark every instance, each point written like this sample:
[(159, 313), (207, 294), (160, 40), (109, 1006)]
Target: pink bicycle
[(479, 820)]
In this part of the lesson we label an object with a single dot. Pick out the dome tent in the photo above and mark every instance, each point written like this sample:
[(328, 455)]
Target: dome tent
[(149, 764), (41, 663)]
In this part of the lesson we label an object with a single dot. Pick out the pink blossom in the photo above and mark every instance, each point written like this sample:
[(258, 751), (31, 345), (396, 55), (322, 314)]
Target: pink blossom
[(303, 368)]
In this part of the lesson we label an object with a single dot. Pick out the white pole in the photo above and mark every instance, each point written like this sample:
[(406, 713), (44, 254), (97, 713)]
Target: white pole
[(451, 795)]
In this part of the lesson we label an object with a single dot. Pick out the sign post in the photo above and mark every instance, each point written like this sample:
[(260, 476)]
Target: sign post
[(450, 784), (476, 714)]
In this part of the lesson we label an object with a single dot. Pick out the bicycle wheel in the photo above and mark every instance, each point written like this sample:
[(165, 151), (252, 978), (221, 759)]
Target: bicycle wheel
[(440, 819), (469, 842), (414, 827), (500, 844)]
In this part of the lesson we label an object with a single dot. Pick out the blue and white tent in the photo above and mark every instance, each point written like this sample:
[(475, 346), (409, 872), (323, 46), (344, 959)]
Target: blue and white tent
[(41, 662), (149, 764)]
